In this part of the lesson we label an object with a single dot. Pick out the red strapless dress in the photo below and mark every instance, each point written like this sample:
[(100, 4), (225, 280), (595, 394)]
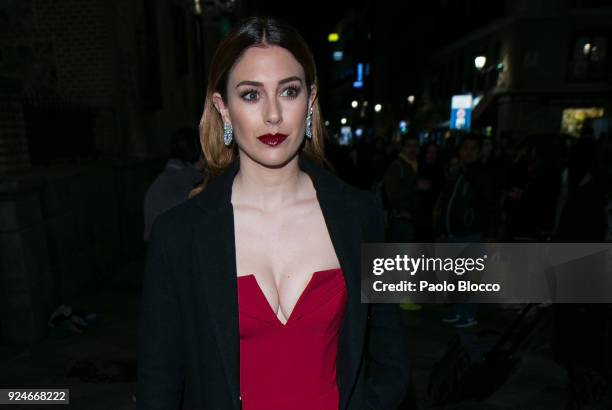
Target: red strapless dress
[(291, 366)]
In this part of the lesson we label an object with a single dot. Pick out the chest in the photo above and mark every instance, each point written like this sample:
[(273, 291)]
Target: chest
[(281, 251)]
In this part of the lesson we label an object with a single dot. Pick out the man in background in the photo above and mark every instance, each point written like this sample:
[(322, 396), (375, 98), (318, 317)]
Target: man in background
[(184, 170)]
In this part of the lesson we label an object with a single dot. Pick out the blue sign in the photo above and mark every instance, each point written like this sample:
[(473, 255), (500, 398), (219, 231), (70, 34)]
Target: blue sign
[(461, 112), (358, 83)]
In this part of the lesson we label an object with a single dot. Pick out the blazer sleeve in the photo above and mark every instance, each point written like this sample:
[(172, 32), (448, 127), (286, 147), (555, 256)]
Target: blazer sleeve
[(160, 358), (387, 345)]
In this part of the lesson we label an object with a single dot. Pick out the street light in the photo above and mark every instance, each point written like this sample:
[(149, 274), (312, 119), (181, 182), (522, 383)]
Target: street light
[(343, 121), (378, 107), (411, 99), (354, 104), (479, 62)]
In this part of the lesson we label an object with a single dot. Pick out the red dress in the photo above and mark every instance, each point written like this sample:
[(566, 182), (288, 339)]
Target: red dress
[(291, 366)]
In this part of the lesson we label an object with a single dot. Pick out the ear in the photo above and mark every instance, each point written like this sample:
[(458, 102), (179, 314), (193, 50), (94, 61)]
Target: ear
[(313, 96), (221, 107)]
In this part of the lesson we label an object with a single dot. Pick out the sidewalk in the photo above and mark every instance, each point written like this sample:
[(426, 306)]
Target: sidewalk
[(99, 366), (539, 383)]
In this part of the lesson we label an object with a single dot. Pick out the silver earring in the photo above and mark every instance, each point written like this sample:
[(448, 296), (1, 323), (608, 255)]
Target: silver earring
[(228, 134), (308, 131)]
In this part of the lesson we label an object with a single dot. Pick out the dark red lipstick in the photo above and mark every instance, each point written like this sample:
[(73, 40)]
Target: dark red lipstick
[(272, 139)]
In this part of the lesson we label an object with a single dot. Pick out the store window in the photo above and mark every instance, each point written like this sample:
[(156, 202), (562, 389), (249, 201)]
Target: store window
[(575, 118)]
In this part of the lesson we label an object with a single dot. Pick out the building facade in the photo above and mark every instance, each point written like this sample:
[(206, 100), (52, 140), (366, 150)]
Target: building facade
[(546, 69)]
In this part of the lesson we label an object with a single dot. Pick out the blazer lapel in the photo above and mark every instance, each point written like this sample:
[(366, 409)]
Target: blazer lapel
[(216, 274), (216, 271), (344, 227)]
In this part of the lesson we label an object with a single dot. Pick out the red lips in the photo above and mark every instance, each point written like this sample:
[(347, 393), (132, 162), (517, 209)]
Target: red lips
[(272, 139)]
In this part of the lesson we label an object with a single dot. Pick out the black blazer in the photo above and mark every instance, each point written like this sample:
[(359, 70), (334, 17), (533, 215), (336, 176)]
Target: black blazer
[(189, 341)]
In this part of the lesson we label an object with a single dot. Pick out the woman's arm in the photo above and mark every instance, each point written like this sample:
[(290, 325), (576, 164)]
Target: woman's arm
[(387, 344), (160, 354)]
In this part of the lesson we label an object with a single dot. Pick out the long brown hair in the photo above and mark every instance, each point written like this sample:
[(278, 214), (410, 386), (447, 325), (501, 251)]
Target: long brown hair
[(253, 32)]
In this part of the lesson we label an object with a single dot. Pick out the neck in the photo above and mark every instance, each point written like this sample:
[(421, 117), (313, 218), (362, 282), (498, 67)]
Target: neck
[(266, 188)]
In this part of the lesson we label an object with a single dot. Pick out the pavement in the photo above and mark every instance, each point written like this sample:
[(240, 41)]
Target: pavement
[(99, 365)]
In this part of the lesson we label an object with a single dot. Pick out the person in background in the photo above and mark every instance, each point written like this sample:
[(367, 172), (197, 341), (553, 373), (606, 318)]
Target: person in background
[(403, 190), (184, 170), (400, 186), (431, 171), (581, 331), (470, 212)]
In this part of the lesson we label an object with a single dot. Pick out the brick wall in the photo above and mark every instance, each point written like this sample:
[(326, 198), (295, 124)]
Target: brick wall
[(82, 37)]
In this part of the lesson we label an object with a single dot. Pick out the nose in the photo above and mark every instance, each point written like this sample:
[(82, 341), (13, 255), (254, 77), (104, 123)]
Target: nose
[(273, 114)]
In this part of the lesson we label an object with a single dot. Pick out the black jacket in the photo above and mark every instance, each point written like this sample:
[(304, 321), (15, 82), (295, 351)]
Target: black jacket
[(471, 203), (189, 341)]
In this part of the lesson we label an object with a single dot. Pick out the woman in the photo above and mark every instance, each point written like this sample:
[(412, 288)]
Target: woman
[(251, 297)]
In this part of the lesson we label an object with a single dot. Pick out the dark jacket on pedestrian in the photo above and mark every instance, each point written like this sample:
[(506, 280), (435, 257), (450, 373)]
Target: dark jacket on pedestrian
[(400, 185), (472, 203), (189, 333)]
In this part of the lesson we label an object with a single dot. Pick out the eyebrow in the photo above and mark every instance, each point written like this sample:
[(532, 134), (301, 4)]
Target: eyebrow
[(258, 84)]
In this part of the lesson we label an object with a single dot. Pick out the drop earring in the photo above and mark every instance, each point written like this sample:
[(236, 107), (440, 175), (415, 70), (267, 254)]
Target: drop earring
[(308, 131), (228, 134)]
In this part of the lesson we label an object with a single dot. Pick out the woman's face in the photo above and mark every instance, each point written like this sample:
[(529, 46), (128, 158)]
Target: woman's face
[(267, 103)]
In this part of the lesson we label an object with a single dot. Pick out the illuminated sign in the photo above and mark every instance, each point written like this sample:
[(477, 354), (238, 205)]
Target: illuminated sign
[(359, 81), (461, 112)]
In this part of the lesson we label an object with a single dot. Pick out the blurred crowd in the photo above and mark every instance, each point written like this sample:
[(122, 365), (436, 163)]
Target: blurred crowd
[(472, 188)]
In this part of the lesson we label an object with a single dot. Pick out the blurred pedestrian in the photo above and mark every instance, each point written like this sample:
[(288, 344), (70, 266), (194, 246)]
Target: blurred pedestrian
[(470, 214), (431, 173), (400, 186), (582, 340), (184, 170)]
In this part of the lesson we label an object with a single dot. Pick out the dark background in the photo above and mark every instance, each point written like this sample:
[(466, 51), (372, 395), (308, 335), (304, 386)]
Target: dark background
[(91, 93)]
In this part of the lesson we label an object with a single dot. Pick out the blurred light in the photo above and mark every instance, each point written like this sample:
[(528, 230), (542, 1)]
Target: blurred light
[(343, 121), (365, 103), (358, 132), (338, 55), (411, 99), (586, 49), (479, 62), (327, 123), (378, 107), (359, 80), (500, 66), (354, 104), (197, 7), (333, 37)]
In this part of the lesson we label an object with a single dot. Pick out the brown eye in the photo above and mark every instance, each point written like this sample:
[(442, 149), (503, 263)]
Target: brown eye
[(291, 92)]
